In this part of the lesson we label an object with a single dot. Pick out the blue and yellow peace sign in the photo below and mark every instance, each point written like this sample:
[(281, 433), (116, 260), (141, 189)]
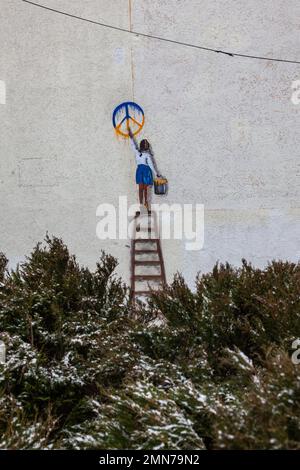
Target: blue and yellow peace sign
[(128, 114)]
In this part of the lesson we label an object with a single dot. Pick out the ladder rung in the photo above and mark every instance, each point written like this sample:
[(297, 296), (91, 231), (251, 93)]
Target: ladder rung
[(142, 252), (145, 240), (147, 277), (146, 263), (142, 292), (145, 292), (149, 230)]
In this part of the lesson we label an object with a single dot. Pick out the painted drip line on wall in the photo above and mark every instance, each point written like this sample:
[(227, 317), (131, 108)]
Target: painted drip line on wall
[(158, 38)]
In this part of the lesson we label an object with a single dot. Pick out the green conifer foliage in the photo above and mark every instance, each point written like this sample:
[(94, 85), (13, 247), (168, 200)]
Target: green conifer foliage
[(208, 368)]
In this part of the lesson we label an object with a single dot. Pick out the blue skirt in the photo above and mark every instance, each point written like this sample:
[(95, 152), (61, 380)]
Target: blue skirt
[(144, 175)]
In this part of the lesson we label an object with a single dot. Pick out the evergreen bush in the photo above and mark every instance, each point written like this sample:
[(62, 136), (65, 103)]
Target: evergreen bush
[(208, 368)]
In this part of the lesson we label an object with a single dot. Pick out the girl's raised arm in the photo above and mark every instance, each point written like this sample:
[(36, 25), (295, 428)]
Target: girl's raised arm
[(134, 145)]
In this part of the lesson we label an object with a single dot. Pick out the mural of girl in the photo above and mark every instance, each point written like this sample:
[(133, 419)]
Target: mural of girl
[(145, 169)]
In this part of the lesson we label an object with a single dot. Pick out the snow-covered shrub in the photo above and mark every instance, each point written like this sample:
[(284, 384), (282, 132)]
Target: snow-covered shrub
[(85, 370)]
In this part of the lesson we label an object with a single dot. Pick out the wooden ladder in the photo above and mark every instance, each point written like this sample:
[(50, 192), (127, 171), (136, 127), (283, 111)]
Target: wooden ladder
[(146, 247)]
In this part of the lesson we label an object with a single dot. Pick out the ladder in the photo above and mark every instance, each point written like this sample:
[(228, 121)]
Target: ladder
[(147, 264)]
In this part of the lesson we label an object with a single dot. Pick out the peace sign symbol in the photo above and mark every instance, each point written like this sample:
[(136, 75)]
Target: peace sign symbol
[(128, 114)]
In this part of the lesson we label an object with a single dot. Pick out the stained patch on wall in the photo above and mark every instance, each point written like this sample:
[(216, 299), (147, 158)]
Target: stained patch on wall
[(119, 55), (240, 132), (38, 172)]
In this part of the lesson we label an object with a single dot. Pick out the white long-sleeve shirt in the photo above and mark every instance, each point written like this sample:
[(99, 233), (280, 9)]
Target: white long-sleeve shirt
[(142, 158)]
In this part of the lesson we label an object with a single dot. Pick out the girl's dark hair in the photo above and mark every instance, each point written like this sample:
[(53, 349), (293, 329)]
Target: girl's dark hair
[(144, 145)]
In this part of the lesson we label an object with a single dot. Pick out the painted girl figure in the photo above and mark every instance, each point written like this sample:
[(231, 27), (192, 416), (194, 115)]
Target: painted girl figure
[(145, 169)]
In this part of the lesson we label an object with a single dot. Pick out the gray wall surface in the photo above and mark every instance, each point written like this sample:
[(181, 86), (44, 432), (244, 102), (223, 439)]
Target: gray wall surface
[(224, 130)]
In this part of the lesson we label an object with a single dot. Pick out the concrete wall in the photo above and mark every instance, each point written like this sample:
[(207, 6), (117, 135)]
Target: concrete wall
[(224, 130)]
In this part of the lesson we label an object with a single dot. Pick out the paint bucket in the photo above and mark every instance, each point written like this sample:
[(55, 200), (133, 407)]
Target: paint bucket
[(160, 185)]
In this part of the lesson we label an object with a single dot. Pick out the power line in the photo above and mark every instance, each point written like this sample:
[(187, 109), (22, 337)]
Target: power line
[(158, 38)]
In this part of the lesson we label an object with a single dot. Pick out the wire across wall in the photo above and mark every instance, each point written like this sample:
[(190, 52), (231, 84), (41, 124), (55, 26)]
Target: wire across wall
[(162, 39)]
